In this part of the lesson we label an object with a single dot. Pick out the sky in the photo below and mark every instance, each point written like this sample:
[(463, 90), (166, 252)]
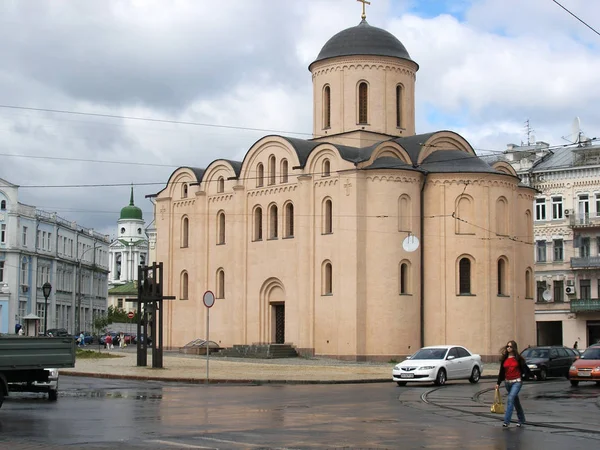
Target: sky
[(486, 66)]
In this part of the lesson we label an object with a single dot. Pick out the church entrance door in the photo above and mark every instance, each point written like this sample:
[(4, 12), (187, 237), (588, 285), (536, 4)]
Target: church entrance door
[(279, 313)]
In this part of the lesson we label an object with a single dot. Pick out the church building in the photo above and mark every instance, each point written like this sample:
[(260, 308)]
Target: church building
[(365, 242)]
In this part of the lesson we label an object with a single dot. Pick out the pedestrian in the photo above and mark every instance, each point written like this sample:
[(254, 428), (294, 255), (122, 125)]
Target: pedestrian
[(513, 370), (108, 341), (21, 331), (81, 339), (575, 345), (121, 340)]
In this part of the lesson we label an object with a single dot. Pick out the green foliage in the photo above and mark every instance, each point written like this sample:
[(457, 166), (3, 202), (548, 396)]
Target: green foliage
[(112, 315), (91, 354), (393, 361)]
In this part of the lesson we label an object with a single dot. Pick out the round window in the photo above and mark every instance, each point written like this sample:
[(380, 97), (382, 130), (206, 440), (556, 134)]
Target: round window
[(122, 230), (139, 231)]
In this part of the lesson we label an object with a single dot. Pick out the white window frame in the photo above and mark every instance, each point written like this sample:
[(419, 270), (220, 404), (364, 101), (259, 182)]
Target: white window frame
[(557, 208), (24, 236), (540, 209)]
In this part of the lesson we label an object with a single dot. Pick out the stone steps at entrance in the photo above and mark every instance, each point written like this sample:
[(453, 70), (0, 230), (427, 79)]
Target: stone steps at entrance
[(264, 351)]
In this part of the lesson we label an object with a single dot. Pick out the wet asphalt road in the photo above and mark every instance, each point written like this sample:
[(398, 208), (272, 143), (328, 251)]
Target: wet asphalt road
[(94, 413)]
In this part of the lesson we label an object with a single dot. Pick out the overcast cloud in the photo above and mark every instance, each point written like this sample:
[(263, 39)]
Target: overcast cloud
[(485, 67)]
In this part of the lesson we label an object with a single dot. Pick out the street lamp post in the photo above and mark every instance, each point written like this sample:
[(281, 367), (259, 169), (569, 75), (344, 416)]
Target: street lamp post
[(46, 289)]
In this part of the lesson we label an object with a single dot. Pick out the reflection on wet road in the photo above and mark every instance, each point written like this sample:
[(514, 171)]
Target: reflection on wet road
[(108, 413)]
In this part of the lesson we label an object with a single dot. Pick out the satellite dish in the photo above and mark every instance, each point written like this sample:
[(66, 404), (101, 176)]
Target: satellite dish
[(410, 243), (576, 129), (547, 296)]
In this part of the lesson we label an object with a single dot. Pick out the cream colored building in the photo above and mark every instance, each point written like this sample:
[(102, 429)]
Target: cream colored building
[(302, 241)]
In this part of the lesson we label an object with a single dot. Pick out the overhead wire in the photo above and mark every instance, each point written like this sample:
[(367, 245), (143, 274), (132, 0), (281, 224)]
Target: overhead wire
[(578, 18)]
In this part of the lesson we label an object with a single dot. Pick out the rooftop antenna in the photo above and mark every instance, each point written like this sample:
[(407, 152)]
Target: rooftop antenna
[(576, 131), (529, 132)]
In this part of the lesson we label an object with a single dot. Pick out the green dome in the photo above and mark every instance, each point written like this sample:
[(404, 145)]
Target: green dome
[(131, 211)]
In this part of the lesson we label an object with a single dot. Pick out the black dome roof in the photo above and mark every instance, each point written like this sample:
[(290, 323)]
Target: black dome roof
[(363, 39)]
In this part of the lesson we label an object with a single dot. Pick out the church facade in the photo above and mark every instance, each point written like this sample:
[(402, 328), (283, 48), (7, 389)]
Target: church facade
[(364, 243)]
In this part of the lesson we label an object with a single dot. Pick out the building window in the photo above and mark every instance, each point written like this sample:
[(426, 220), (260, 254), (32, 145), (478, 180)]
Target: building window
[(258, 228), (221, 228), (528, 283), (284, 171), (221, 185), (120, 303), (184, 190), (220, 283), (185, 232), (557, 208), (559, 291), (327, 279), (399, 92), (502, 219), (3, 233), (404, 213), (404, 278), (24, 236), (327, 107), (585, 289), (363, 103), (184, 286), (598, 251), (502, 281), (464, 274), (139, 230), (558, 250), (1, 271), (464, 214), (24, 281), (540, 251), (289, 220), (2, 205), (583, 209), (597, 204), (540, 209), (273, 225), (584, 249), (260, 175), (327, 217), (272, 174), (326, 170), (541, 288)]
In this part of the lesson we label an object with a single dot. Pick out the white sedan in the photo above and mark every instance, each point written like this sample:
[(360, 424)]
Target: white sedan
[(438, 364)]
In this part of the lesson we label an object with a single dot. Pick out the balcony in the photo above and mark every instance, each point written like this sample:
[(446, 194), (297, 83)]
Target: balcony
[(585, 305), (589, 262), (584, 221)]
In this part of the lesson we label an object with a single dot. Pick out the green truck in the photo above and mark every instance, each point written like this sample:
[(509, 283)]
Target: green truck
[(32, 363)]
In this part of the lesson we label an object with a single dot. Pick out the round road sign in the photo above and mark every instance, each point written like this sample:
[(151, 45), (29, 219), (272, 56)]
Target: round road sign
[(208, 299), (130, 314)]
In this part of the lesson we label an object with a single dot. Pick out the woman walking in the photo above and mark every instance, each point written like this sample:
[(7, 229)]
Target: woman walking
[(513, 369)]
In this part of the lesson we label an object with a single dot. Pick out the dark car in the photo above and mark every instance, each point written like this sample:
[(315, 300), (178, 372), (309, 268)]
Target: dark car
[(58, 332), (549, 361)]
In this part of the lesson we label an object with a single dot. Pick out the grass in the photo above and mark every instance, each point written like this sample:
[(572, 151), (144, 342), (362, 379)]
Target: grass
[(392, 361), (91, 354)]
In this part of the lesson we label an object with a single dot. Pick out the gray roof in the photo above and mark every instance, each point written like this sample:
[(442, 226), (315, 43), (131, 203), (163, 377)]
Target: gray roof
[(363, 39), (455, 161), (556, 159)]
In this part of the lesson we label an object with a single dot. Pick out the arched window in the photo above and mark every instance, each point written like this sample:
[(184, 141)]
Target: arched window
[(3, 205), (183, 295), (399, 95), (327, 279), (528, 227), (327, 217), (273, 225), (260, 175), (464, 216), (404, 213), (221, 185), (258, 227), (185, 232), (326, 171), (327, 107), (363, 102), (184, 190), (221, 228), (502, 219), (289, 220), (284, 171), (464, 274), (220, 284), (404, 278), (502, 281), (272, 163), (528, 284)]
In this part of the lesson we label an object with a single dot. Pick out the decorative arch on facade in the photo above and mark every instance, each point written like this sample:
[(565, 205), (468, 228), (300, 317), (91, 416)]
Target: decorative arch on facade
[(314, 162), (221, 227), (221, 185), (528, 226), (257, 224), (464, 216), (184, 286), (220, 283), (273, 221), (258, 154), (3, 205), (442, 141), (179, 178), (405, 285), (404, 213), (465, 282), (215, 176), (326, 278), (390, 150), (260, 175), (288, 222), (272, 169), (283, 170), (326, 168), (529, 283), (362, 102), (326, 106), (327, 216), (504, 167), (502, 278), (502, 216), (185, 232), (272, 292)]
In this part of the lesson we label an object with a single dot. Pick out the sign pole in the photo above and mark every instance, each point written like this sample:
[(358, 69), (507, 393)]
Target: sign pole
[(209, 299)]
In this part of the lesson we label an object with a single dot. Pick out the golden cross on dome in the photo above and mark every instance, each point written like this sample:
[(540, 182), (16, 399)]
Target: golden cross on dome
[(364, 13)]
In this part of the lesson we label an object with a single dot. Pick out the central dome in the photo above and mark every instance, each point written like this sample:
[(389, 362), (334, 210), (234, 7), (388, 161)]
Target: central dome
[(363, 39)]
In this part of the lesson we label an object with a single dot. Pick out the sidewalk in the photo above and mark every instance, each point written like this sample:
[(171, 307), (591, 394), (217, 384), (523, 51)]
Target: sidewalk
[(192, 369)]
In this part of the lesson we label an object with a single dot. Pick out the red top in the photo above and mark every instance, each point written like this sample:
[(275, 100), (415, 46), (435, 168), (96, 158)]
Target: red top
[(512, 370)]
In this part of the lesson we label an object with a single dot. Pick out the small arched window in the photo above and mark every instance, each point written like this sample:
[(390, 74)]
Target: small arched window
[(502, 218), (404, 213), (220, 283), (464, 216), (258, 227), (185, 232), (399, 95), (3, 205), (528, 284), (221, 228), (272, 164), (184, 190), (326, 172), (289, 220), (528, 227), (184, 286), (260, 175), (284, 171), (464, 273), (327, 107), (221, 185), (502, 281), (273, 225), (327, 217), (327, 279), (404, 278), (363, 103)]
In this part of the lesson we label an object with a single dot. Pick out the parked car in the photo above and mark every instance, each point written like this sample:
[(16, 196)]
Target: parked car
[(58, 332), (549, 361), (438, 364), (49, 387), (586, 367), (87, 338)]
